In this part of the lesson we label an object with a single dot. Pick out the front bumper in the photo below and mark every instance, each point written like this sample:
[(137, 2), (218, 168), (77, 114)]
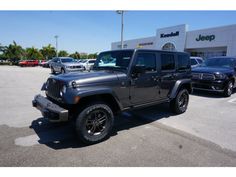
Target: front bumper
[(49, 110), (216, 86)]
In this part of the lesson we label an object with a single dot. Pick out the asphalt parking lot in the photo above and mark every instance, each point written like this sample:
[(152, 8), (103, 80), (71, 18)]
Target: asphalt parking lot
[(204, 136)]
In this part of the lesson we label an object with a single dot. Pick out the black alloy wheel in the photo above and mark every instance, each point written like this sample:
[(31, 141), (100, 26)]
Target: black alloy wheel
[(94, 123), (180, 103)]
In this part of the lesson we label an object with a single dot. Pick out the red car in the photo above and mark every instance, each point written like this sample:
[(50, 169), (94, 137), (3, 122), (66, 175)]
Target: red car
[(29, 63)]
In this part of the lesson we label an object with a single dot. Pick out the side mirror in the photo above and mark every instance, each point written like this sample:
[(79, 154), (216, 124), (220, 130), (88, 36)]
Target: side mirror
[(137, 70)]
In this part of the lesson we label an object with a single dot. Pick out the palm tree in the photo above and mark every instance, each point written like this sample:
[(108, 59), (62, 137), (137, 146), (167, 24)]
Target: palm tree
[(2, 48), (75, 55), (63, 53), (33, 54), (14, 52), (2, 52), (48, 52)]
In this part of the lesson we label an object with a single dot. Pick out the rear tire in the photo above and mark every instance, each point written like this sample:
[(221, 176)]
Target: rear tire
[(180, 103), (94, 123), (228, 89)]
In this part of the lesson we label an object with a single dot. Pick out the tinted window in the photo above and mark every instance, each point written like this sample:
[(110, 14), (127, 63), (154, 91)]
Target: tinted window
[(148, 60), (114, 59), (199, 61), (193, 62), (67, 60), (92, 61), (167, 62), (183, 62), (219, 62)]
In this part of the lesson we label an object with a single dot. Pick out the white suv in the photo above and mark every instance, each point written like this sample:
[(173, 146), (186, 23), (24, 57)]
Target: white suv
[(196, 61), (88, 63)]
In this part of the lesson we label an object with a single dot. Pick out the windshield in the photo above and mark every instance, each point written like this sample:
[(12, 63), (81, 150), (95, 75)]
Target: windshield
[(219, 62), (67, 60), (83, 61), (114, 60)]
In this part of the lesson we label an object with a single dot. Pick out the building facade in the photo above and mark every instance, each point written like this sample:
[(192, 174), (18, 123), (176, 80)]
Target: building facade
[(219, 41)]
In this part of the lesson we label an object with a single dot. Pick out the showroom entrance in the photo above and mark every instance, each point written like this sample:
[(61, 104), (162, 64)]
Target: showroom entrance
[(207, 52)]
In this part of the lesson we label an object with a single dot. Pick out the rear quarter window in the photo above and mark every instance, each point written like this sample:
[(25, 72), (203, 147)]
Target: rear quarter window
[(183, 62), (167, 62)]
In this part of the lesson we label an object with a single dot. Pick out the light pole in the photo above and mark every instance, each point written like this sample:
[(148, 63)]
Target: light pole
[(56, 37), (121, 12)]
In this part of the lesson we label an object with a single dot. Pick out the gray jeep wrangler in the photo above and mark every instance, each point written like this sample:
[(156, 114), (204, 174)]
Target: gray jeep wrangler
[(120, 80)]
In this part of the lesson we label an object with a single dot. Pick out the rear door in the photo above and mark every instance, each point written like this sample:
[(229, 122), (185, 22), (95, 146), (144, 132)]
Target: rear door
[(144, 88), (168, 73)]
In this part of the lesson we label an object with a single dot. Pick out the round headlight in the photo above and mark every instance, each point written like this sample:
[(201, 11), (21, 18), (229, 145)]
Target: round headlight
[(74, 84), (220, 76)]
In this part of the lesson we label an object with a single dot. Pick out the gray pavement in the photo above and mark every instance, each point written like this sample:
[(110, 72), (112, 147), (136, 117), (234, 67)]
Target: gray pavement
[(203, 136)]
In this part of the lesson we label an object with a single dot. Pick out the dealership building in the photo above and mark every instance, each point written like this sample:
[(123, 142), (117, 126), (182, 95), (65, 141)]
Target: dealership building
[(218, 41)]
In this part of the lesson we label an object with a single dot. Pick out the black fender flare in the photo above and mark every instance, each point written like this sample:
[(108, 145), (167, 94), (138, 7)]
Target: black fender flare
[(100, 91), (178, 85)]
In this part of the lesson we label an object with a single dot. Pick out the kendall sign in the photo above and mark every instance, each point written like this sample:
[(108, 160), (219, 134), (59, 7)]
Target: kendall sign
[(169, 34), (206, 38)]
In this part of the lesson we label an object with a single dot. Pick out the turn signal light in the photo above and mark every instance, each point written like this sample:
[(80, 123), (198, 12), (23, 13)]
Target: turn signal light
[(76, 99)]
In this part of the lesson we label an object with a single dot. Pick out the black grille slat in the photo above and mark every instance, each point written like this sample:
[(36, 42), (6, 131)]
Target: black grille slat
[(203, 76), (196, 76), (208, 76)]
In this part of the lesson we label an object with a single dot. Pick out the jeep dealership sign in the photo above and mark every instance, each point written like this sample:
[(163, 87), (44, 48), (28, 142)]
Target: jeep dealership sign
[(205, 38)]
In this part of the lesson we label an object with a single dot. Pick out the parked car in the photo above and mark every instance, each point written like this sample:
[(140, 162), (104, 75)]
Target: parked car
[(64, 65), (196, 61), (29, 63), (45, 64), (139, 78), (216, 74), (88, 64)]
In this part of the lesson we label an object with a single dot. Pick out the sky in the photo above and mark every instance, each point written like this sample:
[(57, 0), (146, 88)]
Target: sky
[(94, 31)]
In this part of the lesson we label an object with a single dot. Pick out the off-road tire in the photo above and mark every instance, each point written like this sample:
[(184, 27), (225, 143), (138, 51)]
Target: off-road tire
[(180, 103), (85, 120)]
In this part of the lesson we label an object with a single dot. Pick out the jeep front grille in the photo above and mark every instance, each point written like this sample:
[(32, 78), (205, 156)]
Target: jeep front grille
[(203, 76), (54, 87), (208, 76)]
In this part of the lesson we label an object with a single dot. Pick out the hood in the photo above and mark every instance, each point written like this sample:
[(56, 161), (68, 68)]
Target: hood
[(205, 69), (92, 77), (72, 64)]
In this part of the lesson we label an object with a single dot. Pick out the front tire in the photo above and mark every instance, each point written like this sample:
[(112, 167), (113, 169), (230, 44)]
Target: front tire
[(180, 103), (228, 89), (94, 124)]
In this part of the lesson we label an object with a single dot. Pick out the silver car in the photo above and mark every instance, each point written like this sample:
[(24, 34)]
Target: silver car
[(64, 65)]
